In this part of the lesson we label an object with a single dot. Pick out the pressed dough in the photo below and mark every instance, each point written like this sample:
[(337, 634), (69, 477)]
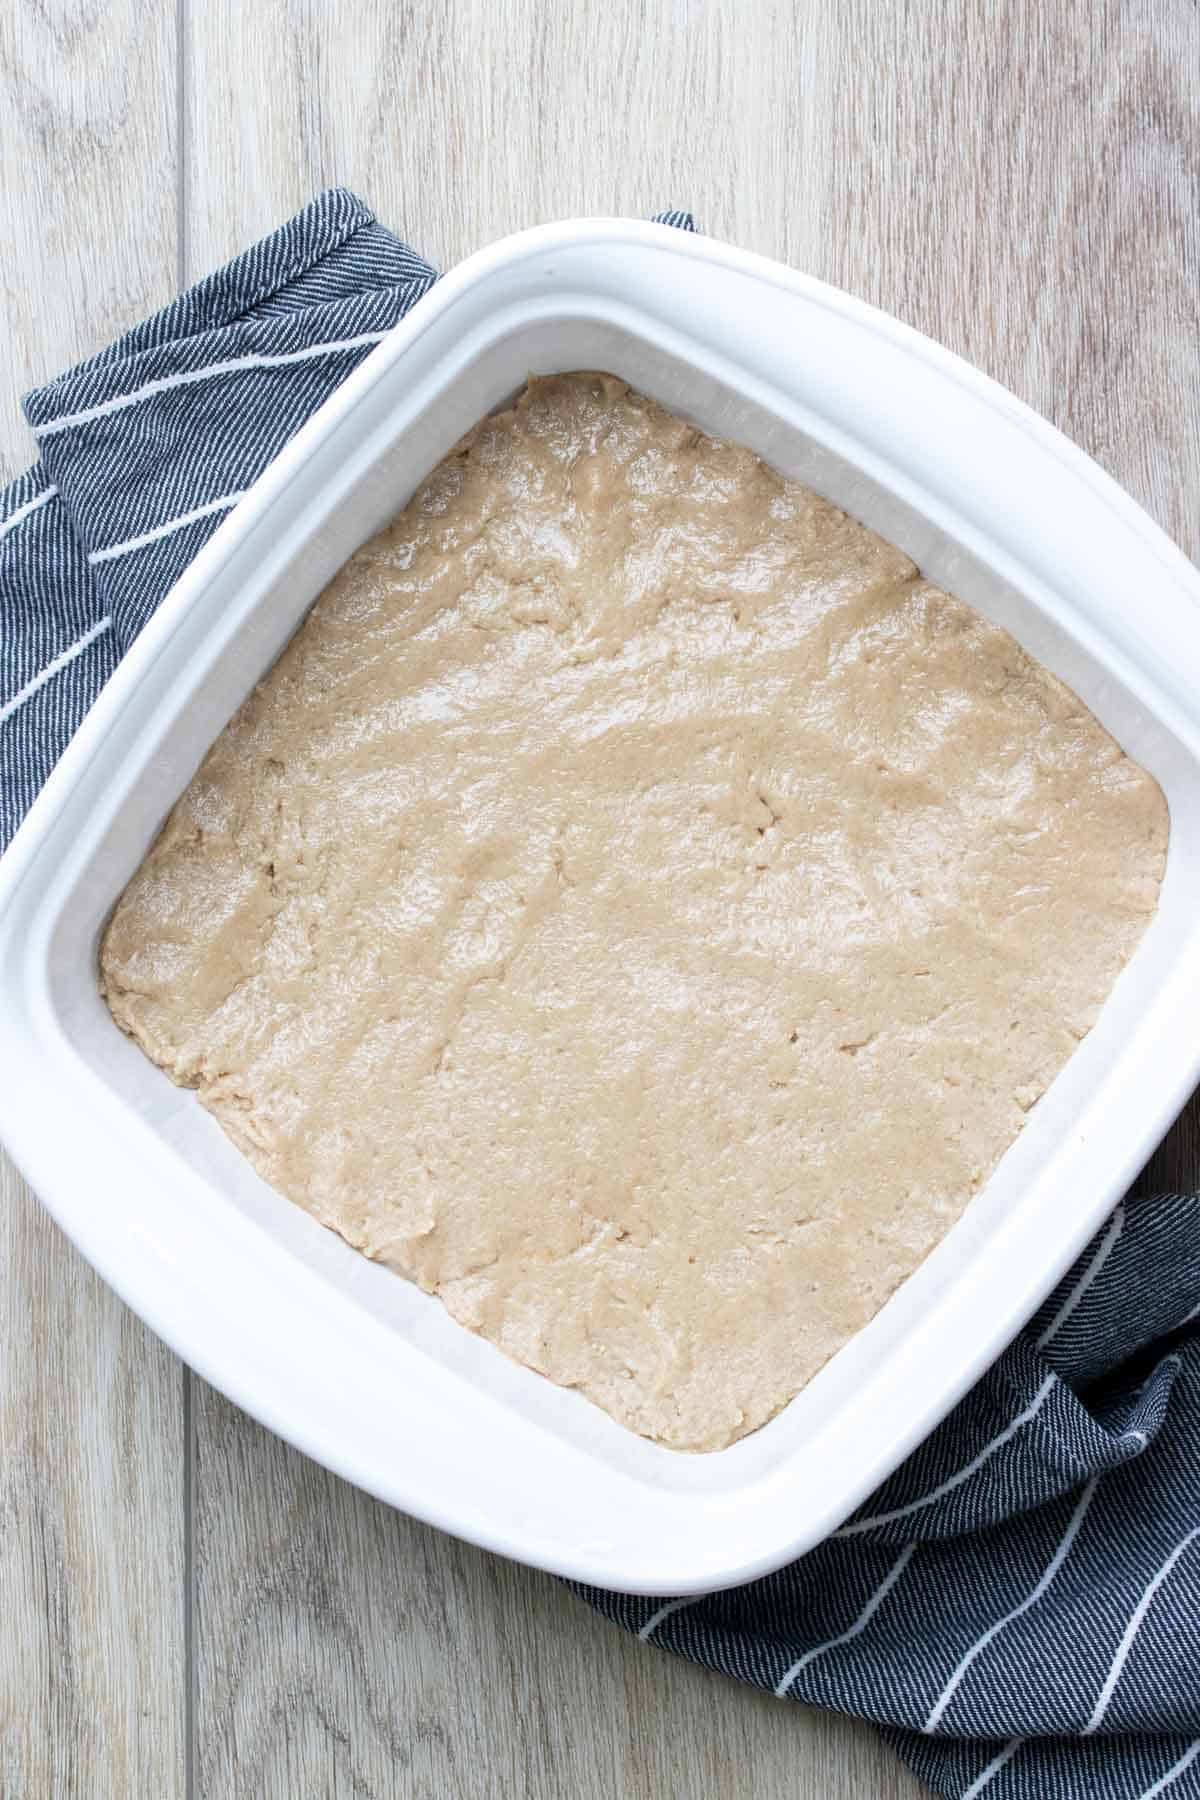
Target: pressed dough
[(639, 908)]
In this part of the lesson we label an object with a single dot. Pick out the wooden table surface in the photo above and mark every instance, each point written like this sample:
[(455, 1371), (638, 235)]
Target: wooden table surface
[(188, 1607)]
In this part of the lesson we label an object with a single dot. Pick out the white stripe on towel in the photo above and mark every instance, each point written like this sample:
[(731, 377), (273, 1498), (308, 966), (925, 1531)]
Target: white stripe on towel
[(994, 1767), (166, 530), (646, 1632), (993, 1631), (52, 668), (1174, 1772), (234, 365), (948, 1486), (1116, 1226), (860, 1624), (1132, 1629), (23, 512)]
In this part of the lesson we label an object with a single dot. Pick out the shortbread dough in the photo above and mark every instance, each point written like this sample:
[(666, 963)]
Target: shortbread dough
[(639, 908)]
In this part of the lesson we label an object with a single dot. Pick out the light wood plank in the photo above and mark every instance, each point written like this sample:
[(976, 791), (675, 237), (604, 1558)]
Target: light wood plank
[(91, 1543), (91, 1540), (347, 1650), (88, 200), (1019, 181), (1016, 180)]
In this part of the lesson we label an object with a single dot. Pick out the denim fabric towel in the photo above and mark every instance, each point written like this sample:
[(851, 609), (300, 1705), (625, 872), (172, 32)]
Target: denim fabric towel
[(1019, 1606)]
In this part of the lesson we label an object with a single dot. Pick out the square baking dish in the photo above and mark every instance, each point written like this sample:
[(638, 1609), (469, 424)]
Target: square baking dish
[(350, 1362)]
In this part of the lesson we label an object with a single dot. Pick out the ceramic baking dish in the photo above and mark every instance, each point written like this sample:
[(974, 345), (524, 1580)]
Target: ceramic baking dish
[(350, 1362)]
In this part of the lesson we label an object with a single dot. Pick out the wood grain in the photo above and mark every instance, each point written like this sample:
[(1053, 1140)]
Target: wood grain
[(91, 1516), (1016, 179), (344, 1649), (91, 1538), (88, 200)]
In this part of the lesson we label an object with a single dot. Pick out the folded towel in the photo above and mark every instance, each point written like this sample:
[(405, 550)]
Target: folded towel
[(1019, 1606)]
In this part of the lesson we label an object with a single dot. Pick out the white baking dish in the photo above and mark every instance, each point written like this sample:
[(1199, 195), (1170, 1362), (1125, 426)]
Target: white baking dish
[(350, 1362)]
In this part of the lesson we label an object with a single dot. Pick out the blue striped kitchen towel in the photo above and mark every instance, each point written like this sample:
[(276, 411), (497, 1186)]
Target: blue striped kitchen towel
[(1019, 1606)]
